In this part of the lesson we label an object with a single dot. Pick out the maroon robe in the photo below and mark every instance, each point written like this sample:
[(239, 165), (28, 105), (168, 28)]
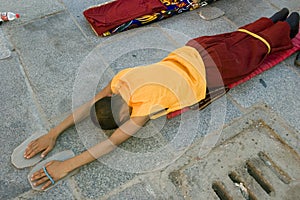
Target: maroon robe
[(231, 57)]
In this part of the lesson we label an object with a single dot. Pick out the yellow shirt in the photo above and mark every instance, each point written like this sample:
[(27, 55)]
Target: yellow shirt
[(157, 89)]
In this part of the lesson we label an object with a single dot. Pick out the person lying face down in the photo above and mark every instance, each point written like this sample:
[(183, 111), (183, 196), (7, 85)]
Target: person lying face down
[(138, 94), (154, 90), (226, 58)]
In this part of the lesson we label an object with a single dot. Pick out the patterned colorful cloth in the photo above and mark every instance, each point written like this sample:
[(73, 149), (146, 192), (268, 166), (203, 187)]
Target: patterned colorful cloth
[(112, 14), (174, 7)]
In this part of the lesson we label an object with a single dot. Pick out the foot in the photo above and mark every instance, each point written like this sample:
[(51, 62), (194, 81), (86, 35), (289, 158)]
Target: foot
[(293, 21), (280, 15)]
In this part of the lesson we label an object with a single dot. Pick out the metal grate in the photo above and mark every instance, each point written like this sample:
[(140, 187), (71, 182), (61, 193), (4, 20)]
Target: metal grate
[(253, 165)]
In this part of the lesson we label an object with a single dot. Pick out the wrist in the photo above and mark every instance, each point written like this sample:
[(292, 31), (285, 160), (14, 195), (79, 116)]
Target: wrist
[(72, 164), (54, 133), (69, 165)]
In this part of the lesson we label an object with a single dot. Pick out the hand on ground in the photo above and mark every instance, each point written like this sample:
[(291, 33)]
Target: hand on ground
[(43, 144), (56, 169)]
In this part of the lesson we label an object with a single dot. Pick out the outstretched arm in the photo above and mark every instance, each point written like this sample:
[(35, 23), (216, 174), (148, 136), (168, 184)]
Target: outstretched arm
[(46, 142), (58, 170), (81, 112)]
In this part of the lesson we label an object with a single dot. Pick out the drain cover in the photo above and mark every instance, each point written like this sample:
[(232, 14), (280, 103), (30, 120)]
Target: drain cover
[(255, 164)]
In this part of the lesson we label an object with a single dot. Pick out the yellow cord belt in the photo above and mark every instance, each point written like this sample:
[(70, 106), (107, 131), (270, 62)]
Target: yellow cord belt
[(257, 37)]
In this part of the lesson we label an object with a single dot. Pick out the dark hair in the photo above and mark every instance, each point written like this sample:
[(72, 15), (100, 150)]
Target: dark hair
[(105, 112)]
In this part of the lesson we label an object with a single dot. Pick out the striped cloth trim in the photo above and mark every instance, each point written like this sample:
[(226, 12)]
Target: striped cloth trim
[(271, 60), (257, 37)]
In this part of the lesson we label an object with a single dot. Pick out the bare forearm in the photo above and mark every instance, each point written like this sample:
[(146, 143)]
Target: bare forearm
[(90, 155), (98, 150), (80, 113), (105, 147)]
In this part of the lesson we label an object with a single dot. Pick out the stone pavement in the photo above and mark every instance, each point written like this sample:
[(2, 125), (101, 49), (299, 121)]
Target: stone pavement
[(49, 58)]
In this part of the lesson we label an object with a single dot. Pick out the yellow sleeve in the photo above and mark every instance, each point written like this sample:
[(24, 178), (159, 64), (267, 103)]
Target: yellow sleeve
[(115, 81), (147, 108), (140, 110)]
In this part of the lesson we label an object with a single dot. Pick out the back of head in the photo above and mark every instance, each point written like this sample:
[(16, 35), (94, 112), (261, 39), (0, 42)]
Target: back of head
[(106, 112)]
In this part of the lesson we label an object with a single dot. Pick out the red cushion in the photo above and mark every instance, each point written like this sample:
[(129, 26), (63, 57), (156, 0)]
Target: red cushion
[(107, 16)]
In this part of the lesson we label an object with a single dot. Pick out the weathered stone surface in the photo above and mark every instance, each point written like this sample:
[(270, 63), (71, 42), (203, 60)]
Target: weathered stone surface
[(52, 42), (210, 13)]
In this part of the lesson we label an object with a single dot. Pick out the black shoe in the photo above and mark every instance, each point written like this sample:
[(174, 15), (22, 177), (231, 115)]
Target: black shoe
[(280, 15), (293, 21)]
